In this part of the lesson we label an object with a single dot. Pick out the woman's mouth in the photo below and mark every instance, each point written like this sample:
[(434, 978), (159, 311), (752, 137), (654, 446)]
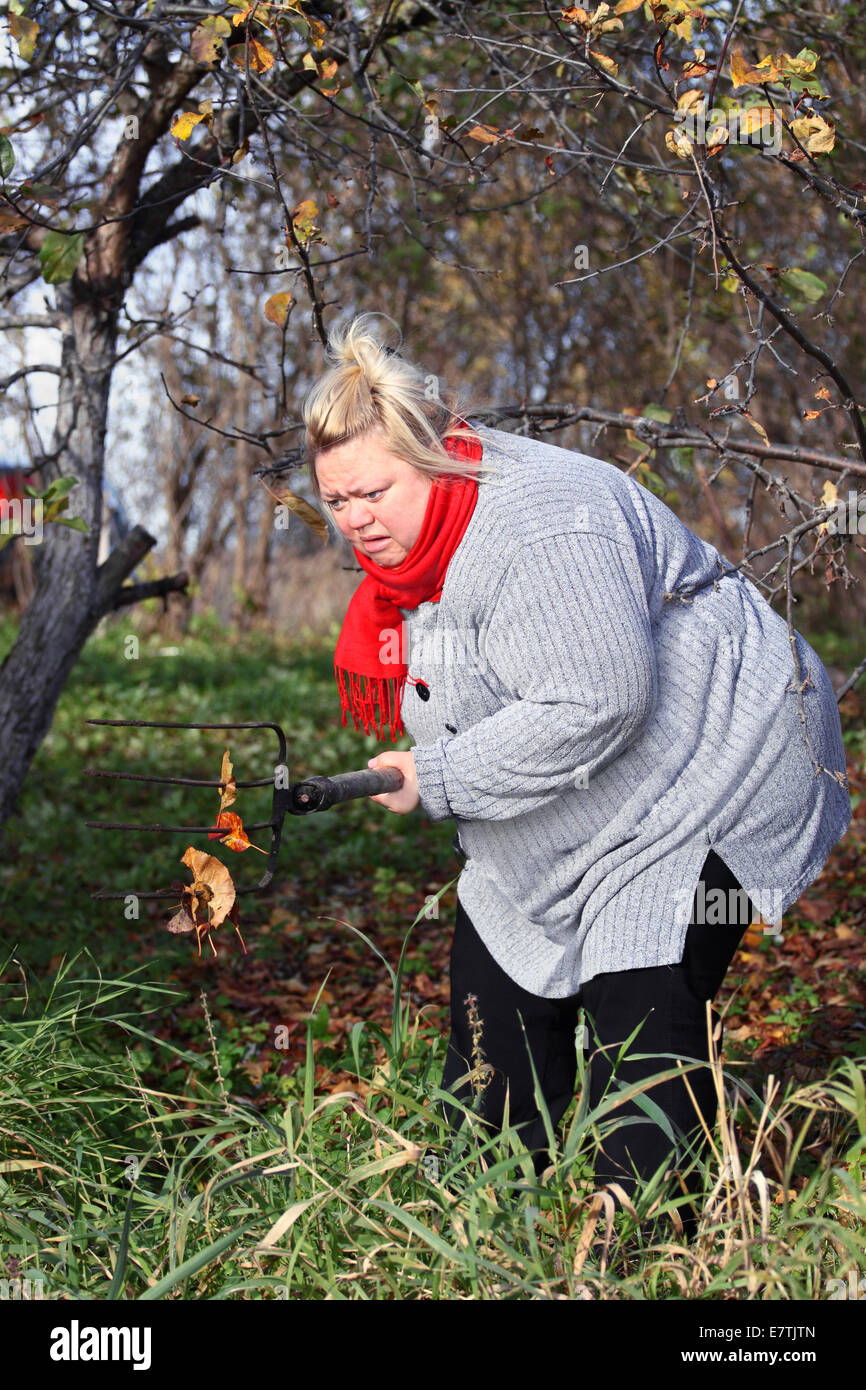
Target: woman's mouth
[(374, 542)]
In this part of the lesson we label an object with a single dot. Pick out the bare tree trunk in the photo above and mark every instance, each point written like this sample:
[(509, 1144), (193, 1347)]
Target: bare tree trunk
[(71, 594), (23, 577), (241, 505), (258, 580)]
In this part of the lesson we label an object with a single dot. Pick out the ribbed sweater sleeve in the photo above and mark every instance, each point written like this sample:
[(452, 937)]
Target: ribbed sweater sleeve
[(570, 640)]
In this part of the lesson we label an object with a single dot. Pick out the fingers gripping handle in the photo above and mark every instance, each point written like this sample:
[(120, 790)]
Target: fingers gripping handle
[(320, 793)]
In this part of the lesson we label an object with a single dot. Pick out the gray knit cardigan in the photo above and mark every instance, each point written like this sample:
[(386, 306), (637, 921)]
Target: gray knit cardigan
[(592, 735)]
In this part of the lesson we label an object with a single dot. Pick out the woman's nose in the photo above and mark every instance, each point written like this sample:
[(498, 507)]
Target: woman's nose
[(358, 515)]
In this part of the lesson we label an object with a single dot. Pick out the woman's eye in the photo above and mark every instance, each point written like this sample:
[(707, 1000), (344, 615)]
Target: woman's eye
[(338, 502)]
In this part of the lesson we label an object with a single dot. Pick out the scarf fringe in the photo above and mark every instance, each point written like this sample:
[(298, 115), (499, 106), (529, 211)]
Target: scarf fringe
[(371, 701)]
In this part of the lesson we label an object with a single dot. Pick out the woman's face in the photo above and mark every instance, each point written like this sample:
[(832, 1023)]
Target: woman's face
[(377, 499)]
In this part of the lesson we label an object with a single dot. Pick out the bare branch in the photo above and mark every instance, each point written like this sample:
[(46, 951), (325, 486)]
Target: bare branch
[(48, 367), (155, 588), (120, 563), (30, 321)]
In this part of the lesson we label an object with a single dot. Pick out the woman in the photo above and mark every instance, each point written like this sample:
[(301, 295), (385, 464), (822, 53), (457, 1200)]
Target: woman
[(613, 752)]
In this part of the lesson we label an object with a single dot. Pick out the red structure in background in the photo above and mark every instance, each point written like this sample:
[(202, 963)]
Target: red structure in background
[(12, 480), (11, 483)]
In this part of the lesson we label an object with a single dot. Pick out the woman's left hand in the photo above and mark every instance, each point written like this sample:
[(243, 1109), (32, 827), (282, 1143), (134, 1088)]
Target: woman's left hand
[(406, 799)]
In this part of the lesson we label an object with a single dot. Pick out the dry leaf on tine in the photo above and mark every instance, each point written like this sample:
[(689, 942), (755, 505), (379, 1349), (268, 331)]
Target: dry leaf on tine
[(233, 918), (193, 912), (209, 873), (228, 789), (208, 901), (181, 921), (229, 829)]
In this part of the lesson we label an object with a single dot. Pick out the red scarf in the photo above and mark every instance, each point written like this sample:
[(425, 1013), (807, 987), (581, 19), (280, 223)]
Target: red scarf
[(370, 689)]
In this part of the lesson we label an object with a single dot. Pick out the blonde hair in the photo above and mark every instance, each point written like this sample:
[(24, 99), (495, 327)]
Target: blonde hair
[(369, 386)]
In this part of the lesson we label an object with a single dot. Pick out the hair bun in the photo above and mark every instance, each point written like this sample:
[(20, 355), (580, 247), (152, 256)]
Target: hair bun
[(371, 385)]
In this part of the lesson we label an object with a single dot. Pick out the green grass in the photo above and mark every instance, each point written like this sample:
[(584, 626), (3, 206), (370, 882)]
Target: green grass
[(138, 1159), (110, 1189)]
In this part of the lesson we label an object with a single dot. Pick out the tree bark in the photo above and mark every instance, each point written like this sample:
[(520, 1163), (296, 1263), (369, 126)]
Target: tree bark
[(71, 593)]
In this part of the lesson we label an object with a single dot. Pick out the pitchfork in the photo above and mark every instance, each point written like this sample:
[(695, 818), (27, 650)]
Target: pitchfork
[(295, 799)]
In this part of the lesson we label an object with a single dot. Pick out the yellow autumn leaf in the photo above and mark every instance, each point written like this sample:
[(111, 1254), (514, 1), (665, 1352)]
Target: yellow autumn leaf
[(815, 133), (260, 58), (24, 32), (754, 118), (277, 308), (576, 14), (679, 143), (771, 67), (772, 62), (318, 30), (758, 428), (228, 788), (487, 134), (691, 100), (309, 61), (304, 221), (626, 6), (262, 13), (829, 498), (607, 64), (185, 124), (301, 508), (742, 70), (798, 65), (204, 44), (682, 27)]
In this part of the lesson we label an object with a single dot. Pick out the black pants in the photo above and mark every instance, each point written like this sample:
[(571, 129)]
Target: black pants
[(669, 1001)]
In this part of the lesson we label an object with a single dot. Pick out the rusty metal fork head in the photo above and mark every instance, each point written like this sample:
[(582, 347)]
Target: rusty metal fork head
[(279, 805)]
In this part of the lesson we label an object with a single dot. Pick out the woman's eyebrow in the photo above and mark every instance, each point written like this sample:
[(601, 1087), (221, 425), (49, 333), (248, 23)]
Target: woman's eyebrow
[(359, 492)]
